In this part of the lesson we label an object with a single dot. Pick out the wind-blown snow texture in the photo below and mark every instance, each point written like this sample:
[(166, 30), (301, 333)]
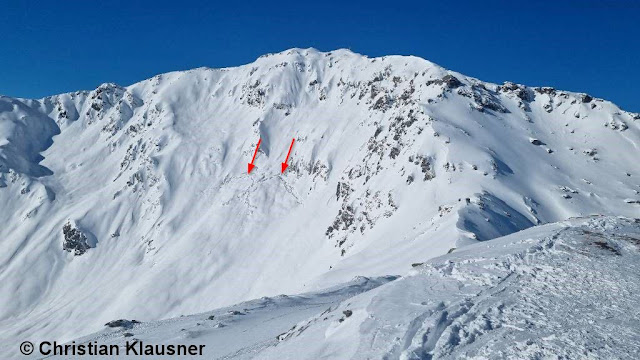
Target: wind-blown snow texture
[(566, 290), (396, 160)]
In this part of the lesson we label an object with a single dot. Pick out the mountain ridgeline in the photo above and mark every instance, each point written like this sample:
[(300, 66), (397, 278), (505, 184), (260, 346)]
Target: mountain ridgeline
[(135, 202)]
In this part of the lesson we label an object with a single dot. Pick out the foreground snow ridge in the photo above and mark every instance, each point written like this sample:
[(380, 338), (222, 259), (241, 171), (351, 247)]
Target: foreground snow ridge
[(135, 202), (564, 290)]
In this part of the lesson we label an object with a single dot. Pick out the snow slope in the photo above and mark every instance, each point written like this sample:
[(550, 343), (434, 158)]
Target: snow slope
[(563, 290), (566, 290), (396, 160)]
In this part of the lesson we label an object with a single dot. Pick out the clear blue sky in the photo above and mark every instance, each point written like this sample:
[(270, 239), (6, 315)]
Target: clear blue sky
[(50, 47)]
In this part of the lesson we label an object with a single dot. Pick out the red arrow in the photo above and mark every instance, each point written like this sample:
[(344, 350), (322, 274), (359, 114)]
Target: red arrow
[(251, 166), (284, 164)]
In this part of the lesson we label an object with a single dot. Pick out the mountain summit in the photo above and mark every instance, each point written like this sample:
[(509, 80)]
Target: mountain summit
[(136, 202)]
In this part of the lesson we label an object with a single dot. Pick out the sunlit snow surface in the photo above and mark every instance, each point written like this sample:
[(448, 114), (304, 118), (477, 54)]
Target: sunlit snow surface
[(396, 161), (565, 290)]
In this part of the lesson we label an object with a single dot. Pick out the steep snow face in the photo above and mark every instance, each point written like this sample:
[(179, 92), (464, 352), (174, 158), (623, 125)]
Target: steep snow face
[(396, 160), (562, 290)]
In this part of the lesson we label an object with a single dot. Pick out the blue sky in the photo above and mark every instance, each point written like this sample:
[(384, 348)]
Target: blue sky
[(591, 46)]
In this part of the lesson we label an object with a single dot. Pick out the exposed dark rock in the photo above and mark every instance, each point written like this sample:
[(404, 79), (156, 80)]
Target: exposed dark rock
[(123, 323), (343, 220), (74, 240), (449, 80), (383, 103), (509, 86), (519, 90), (483, 99), (394, 153), (343, 190), (545, 90), (425, 165)]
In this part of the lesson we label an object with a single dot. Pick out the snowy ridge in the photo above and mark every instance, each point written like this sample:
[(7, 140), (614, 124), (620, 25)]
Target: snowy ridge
[(563, 290), (396, 160)]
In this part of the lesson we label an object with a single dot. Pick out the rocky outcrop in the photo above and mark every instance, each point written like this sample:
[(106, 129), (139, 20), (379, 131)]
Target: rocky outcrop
[(74, 240)]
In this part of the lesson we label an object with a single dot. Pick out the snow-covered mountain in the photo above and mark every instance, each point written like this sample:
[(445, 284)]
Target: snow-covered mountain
[(136, 202)]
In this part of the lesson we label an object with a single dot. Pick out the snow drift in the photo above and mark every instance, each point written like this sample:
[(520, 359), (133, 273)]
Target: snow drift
[(562, 290)]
